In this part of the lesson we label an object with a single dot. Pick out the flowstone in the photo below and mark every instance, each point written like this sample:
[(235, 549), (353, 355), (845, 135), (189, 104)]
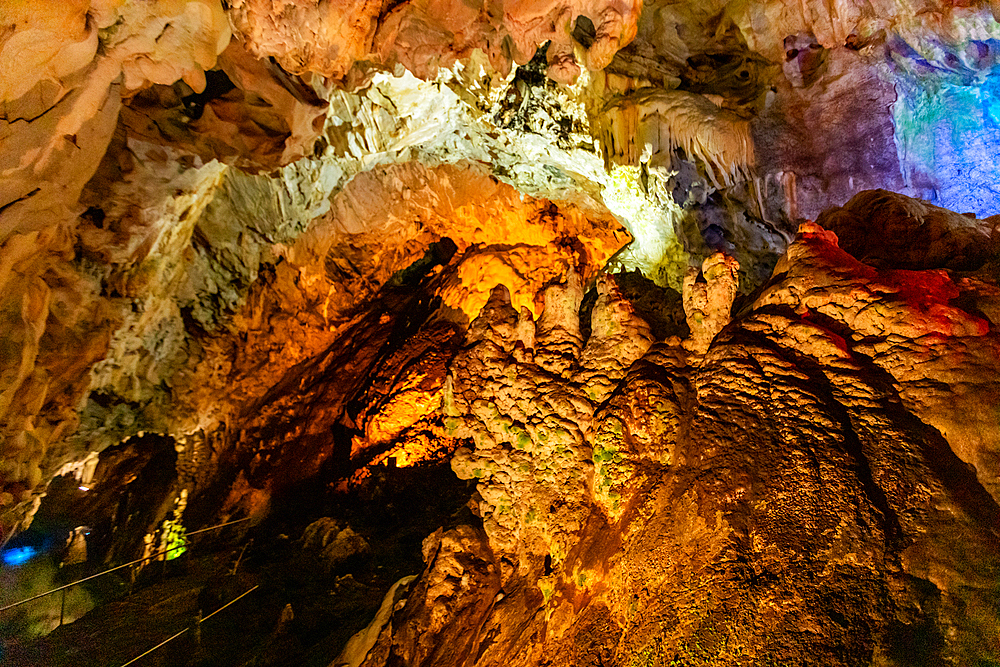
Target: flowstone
[(525, 393)]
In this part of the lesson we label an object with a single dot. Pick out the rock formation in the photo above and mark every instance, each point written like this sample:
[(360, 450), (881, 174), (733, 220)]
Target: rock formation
[(596, 333), (784, 498)]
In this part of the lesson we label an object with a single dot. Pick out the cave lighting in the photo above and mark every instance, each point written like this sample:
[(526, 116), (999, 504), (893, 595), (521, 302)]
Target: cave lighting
[(947, 121), (656, 251), (174, 539), (18, 555)]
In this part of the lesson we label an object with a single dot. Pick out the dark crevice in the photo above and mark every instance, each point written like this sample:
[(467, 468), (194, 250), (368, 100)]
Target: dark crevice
[(217, 84), (584, 31), (6, 206), (330, 387), (32, 119)]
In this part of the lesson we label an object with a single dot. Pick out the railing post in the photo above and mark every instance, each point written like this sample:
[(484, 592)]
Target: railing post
[(197, 631)]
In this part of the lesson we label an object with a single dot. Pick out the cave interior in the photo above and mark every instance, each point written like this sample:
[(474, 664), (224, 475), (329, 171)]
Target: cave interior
[(565, 333)]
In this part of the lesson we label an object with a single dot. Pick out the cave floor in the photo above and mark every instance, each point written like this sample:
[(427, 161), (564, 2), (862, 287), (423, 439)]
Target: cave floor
[(121, 629), (328, 603), (327, 611)]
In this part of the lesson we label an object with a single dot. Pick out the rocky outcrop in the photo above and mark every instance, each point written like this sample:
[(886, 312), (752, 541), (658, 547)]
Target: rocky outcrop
[(794, 494), (525, 392), (313, 241), (907, 323), (888, 230), (332, 543), (60, 105), (249, 113), (707, 304), (462, 581), (369, 390), (330, 38), (188, 280)]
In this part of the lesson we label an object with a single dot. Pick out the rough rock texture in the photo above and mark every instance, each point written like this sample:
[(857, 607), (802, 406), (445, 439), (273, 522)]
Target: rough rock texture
[(784, 499), (332, 543), (249, 113), (525, 393), (887, 230), (301, 244), (187, 279), (329, 38), (813, 152), (459, 589), (907, 323), (650, 125), (707, 304)]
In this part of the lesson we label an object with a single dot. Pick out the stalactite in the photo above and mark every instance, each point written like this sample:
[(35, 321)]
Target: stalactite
[(647, 126)]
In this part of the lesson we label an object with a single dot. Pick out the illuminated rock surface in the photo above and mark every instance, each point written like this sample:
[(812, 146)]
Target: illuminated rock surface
[(783, 499), (515, 311)]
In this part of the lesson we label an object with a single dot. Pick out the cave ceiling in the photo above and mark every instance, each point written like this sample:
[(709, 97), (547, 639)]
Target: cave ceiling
[(698, 300)]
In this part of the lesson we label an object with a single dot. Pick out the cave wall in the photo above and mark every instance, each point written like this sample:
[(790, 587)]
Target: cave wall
[(790, 494), (276, 231)]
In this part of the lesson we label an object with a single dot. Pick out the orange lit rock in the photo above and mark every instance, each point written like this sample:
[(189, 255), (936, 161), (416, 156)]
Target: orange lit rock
[(618, 336), (323, 37), (525, 392), (462, 582), (384, 219), (707, 305), (407, 390), (523, 268), (811, 480), (48, 42), (253, 115), (910, 324), (807, 467), (61, 97), (329, 38)]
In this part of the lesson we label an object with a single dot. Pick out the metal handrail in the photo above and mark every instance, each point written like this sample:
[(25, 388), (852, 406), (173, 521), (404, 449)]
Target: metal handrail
[(167, 641), (118, 567)]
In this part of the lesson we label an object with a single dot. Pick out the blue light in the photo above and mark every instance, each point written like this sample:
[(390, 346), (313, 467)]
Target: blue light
[(947, 122), (19, 555)]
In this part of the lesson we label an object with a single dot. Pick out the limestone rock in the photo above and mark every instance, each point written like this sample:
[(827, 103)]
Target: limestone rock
[(618, 335), (909, 323), (908, 233), (332, 542), (802, 132), (250, 114), (650, 125), (60, 105), (525, 392), (358, 647), (461, 581), (329, 38), (707, 304), (323, 37), (812, 478), (861, 516)]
